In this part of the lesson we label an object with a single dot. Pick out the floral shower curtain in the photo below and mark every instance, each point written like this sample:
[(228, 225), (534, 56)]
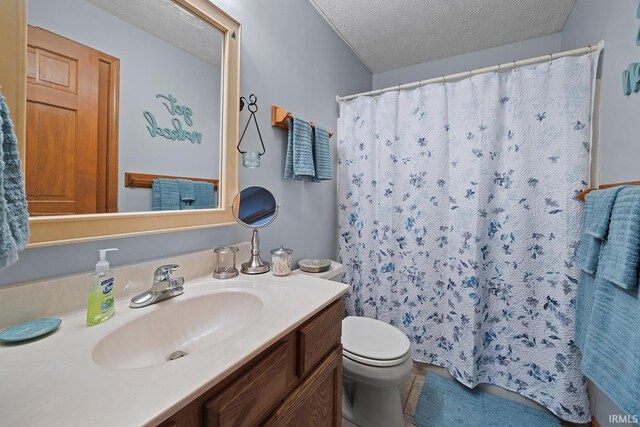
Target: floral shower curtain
[(459, 223)]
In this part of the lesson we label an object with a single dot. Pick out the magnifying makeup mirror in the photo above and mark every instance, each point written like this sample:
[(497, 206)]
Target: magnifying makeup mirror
[(255, 208)]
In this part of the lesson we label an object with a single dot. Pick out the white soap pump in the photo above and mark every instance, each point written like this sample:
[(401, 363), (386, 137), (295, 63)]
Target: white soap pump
[(101, 304)]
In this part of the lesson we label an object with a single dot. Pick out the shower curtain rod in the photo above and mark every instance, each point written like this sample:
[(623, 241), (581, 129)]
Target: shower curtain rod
[(451, 77)]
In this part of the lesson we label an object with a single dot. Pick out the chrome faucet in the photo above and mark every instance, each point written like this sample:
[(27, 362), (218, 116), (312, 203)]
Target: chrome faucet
[(164, 287)]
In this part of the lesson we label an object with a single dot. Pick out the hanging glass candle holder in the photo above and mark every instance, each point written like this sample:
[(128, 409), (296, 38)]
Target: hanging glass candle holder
[(251, 159)]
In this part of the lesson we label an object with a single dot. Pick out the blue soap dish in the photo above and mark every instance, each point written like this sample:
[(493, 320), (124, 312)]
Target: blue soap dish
[(29, 330)]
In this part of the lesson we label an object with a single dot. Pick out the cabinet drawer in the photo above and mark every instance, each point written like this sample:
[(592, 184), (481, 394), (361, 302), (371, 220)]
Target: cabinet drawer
[(253, 395), (318, 337)]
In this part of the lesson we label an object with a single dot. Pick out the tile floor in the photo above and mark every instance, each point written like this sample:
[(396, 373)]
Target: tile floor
[(409, 394)]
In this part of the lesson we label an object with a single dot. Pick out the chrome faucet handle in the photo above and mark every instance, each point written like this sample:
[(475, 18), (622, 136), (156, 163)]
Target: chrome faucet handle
[(163, 273)]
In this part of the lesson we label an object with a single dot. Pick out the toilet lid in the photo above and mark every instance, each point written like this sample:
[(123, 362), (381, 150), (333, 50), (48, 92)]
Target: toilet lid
[(373, 339)]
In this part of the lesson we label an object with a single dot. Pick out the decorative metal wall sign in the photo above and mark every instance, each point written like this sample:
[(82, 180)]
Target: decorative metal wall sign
[(178, 132)]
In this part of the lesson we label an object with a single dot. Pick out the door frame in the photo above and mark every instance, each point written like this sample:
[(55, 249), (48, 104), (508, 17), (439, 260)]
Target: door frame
[(107, 186)]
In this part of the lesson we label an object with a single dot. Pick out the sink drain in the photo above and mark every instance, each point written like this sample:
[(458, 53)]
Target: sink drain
[(177, 355)]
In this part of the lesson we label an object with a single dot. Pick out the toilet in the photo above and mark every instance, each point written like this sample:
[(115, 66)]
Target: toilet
[(376, 362)]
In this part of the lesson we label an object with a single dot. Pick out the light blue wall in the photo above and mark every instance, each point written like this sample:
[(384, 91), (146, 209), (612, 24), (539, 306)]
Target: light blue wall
[(292, 58), (616, 23), (469, 61)]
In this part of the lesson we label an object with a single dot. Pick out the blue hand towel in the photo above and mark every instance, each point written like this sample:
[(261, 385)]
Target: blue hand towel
[(299, 161), (14, 216), (187, 194), (204, 194), (167, 192), (612, 346), (322, 154), (598, 209)]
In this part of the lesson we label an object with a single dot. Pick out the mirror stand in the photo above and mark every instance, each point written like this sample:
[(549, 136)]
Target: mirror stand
[(254, 207), (255, 265)]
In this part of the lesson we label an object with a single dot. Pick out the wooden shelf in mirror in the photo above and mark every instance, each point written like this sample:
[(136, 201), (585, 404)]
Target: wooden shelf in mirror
[(145, 180)]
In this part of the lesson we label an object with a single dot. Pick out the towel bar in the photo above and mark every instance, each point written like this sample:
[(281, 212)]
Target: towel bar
[(144, 180), (280, 119), (582, 194)]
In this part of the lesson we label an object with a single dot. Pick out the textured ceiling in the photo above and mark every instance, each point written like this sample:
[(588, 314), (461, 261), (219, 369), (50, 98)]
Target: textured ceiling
[(390, 34), (171, 23)]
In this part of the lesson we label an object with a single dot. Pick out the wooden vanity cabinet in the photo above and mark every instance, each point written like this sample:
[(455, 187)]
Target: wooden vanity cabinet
[(295, 382)]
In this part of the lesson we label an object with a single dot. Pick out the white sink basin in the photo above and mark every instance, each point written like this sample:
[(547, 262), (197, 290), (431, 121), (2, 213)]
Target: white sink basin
[(189, 326)]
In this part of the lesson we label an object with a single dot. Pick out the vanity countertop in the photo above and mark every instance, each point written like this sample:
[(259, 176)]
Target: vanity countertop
[(54, 381)]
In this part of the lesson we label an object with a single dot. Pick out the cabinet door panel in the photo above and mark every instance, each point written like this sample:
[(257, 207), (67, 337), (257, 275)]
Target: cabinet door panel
[(318, 337), (317, 402)]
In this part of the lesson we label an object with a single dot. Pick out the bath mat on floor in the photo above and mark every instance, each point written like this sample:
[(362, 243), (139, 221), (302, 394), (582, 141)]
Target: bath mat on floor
[(445, 403)]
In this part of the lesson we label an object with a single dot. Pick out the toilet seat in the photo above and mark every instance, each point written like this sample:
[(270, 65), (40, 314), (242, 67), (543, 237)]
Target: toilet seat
[(374, 343)]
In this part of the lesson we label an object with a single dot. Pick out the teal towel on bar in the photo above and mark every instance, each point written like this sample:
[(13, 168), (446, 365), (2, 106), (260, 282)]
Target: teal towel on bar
[(610, 353), (621, 259), (187, 194), (165, 195), (204, 194), (322, 154), (299, 161), (14, 216), (598, 207)]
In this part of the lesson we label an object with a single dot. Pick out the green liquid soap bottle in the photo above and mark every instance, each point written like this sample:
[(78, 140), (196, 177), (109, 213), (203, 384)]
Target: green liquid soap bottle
[(101, 305)]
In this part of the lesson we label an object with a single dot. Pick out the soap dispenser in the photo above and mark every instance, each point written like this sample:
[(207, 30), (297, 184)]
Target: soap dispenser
[(101, 304)]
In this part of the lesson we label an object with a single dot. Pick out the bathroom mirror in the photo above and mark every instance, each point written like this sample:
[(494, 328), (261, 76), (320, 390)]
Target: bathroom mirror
[(117, 94), (255, 207), (120, 93)]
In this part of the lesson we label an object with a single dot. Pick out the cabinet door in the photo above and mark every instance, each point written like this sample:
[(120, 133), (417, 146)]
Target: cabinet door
[(317, 402), (252, 396), (318, 336)]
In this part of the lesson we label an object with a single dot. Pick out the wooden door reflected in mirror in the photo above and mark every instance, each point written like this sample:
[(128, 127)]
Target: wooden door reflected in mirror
[(72, 112)]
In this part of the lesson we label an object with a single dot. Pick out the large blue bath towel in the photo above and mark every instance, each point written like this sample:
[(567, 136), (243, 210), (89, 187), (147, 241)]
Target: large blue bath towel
[(14, 216), (611, 351), (599, 205), (620, 260)]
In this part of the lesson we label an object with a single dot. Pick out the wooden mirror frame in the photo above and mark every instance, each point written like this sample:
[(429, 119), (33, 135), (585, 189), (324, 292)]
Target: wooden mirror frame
[(55, 230)]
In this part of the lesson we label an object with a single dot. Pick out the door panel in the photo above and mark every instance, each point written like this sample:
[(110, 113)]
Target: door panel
[(62, 125)]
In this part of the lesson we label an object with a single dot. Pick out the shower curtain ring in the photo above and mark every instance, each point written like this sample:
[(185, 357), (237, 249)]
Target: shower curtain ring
[(444, 79), (469, 73)]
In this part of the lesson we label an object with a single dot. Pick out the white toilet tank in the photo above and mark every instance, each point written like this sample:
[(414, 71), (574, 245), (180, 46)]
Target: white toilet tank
[(334, 273)]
